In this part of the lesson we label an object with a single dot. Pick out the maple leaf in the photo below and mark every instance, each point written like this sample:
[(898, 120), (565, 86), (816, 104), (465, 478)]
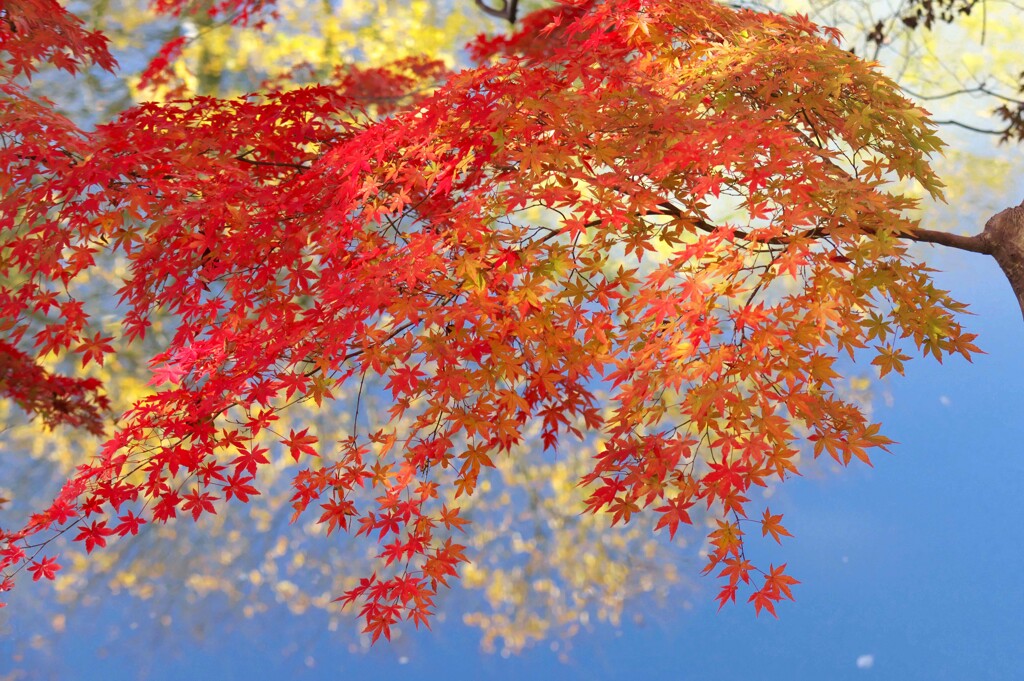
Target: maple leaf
[(44, 568), (129, 524), (94, 534), (336, 514), (380, 623), (779, 582), (889, 359), (168, 372), (198, 503), (673, 513), (12, 553), (772, 524), (622, 509), (95, 349), (450, 518), (727, 594), (300, 443), (736, 570), (764, 599), (249, 459), (239, 487)]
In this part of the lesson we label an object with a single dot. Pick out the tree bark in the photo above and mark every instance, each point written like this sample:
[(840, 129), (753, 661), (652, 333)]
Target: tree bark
[(1004, 234), (1002, 238)]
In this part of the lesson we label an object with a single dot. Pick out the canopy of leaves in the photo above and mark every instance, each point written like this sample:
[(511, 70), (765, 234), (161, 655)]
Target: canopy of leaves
[(647, 225)]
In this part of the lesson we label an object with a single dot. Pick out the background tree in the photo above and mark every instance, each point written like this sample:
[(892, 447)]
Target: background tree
[(915, 35)]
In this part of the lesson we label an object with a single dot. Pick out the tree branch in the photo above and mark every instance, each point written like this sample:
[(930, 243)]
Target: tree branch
[(984, 131), (978, 243)]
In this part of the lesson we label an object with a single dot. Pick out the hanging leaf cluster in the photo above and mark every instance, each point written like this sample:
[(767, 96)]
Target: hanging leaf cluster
[(666, 227)]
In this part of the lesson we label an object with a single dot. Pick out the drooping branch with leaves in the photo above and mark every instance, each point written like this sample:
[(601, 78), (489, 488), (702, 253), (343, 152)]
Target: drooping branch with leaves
[(665, 229)]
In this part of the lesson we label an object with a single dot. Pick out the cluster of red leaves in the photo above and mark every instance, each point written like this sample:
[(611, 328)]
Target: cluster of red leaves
[(538, 241), (34, 32), (57, 400)]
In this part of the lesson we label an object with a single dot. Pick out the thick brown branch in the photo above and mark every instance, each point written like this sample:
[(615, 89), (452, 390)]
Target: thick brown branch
[(978, 243), (1004, 231)]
